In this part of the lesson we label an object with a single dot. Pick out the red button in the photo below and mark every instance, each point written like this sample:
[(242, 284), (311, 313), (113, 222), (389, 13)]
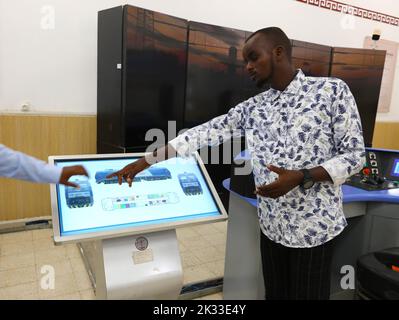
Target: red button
[(366, 171)]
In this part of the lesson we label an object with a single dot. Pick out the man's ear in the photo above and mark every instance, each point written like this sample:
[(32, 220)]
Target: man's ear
[(278, 53)]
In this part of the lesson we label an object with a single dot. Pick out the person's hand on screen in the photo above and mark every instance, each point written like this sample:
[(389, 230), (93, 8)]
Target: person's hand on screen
[(130, 171), (68, 172)]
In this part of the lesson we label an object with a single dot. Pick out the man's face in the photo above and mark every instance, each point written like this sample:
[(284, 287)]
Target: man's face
[(258, 57)]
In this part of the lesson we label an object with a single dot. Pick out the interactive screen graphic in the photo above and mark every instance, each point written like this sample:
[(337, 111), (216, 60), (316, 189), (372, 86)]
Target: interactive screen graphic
[(151, 174), (78, 198), (395, 168), (170, 191), (190, 184), (144, 200)]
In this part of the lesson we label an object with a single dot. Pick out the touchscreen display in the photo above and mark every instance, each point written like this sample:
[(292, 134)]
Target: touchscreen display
[(169, 191)]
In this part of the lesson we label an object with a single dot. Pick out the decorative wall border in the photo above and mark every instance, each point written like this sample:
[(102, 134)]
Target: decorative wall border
[(353, 10)]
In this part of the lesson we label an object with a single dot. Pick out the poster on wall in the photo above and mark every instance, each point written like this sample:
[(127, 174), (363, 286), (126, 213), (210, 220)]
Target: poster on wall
[(391, 48)]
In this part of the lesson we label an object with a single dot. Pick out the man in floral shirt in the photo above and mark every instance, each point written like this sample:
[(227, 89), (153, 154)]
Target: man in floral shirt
[(305, 138)]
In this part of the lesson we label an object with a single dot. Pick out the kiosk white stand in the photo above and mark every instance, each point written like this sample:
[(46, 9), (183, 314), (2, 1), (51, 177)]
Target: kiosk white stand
[(128, 242), (147, 266)]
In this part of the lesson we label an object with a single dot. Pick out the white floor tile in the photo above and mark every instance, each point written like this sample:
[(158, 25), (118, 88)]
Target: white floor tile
[(83, 281), (16, 277), (214, 296), (17, 261), (221, 226), (216, 239), (18, 248), (205, 229), (42, 234), (186, 233), (22, 254), (188, 259), (50, 256), (22, 291), (71, 296), (209, 254), (199, 242), (216, 267), (72, 251), (43, 244), (78, 265), (14, 237), (87, 295), (196, 274)]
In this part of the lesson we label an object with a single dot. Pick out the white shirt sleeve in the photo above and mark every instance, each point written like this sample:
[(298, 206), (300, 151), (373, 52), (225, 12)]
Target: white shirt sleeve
[(211, 133), (348, 138), (17, 165)]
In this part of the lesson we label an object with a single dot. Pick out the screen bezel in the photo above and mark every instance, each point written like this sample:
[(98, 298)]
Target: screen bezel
[(98, 235)]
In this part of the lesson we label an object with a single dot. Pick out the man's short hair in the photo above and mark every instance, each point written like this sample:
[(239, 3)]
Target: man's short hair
[(276, 36)]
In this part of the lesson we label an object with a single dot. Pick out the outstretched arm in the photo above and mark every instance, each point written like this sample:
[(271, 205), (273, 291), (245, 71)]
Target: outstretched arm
[(212, 133), (131, 170), (17, 165)]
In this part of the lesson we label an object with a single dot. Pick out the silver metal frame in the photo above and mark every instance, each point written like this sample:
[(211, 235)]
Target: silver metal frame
[(58, 239)]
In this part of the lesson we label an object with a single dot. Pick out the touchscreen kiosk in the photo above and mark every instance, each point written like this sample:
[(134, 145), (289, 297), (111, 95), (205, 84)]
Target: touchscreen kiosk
[(173, 193), (127, 235)]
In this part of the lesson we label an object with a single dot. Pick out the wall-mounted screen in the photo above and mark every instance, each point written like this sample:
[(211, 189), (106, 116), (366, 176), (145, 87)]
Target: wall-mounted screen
[(172, 193)]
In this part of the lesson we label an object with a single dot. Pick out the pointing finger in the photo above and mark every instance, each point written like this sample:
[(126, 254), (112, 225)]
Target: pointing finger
[(71, 184)]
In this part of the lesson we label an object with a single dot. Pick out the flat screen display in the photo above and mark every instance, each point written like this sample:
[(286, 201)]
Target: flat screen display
[(170, 193), (395, 168)]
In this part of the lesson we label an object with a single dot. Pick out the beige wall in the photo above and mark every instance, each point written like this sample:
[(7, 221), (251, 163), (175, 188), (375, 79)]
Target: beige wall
[(42, 136)]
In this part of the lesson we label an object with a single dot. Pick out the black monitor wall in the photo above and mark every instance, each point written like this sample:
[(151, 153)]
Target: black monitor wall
[(155, 53), (362, 70), (141, 74), (216, 82), (313, 59), (109, 77)]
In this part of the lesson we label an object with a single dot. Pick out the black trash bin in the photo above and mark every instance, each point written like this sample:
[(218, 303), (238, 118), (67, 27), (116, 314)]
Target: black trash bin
[(377, 275)]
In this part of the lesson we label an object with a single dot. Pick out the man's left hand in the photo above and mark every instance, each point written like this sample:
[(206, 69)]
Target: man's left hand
[(287, 180), (68, 172)]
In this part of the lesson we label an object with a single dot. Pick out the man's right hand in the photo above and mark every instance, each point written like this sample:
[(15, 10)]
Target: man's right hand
[(130, 171)]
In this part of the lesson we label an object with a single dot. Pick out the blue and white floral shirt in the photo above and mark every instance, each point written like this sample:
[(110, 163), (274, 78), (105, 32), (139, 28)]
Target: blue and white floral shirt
[(313, 122)]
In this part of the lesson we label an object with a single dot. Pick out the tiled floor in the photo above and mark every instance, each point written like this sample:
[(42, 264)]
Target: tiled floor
[(28, 258)]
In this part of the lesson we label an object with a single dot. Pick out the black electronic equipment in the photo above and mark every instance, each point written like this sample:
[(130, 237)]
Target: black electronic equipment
[(381, 171), (377, 275)]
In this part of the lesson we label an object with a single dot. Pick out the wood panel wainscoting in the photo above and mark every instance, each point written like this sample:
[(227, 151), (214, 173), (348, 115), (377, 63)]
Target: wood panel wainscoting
[(386, 135), (40, 136), (44, 135)]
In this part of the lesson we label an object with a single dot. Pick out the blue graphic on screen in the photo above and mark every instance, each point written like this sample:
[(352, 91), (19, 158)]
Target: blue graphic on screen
[(78, 198), (190, 184), (395, 168), (172, 190), (151, 174)]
